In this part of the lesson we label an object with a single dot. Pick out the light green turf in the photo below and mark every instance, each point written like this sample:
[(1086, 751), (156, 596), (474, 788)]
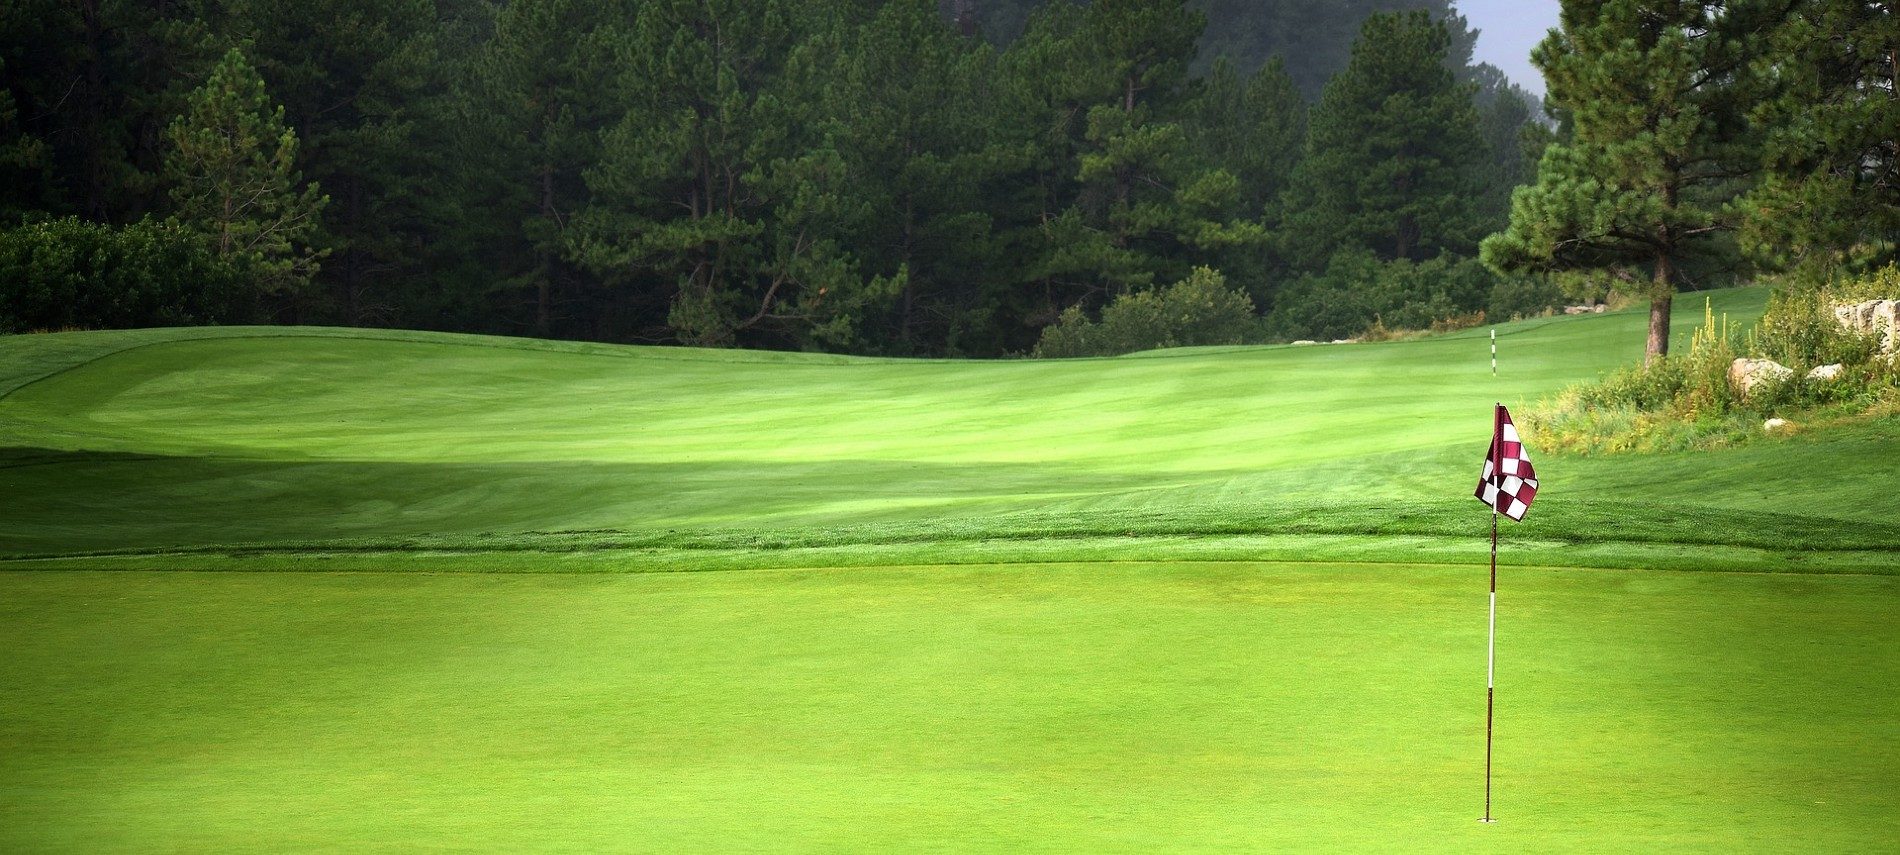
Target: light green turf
[(260, 439), (1085, 708), (1082, 649)]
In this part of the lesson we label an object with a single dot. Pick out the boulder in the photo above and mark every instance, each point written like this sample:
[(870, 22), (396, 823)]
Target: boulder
[(1825, 372), (1775, 424), (1878, 318), (1748, 374)]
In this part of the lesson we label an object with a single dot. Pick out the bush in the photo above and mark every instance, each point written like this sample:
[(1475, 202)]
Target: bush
[(1516, 297), (1358, 295), (1686, 401), (1198, 310), (1799, 329), (69, 273)]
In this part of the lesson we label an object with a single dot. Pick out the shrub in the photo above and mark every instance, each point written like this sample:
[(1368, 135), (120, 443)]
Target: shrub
[(1799, 329), (1198, 310), (1358, 295), (1686, 401), (70, 273), (1515, 297)]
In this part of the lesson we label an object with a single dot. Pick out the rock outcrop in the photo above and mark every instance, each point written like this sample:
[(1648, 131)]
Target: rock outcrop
[(1878, 318), (1747, 375)]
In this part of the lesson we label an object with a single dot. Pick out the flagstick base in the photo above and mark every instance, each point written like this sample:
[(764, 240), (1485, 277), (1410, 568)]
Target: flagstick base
[(1487, 819)]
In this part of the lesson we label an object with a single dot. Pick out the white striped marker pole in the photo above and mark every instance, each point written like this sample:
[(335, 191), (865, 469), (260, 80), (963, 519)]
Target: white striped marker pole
[(1491, 639), (1494, 351)]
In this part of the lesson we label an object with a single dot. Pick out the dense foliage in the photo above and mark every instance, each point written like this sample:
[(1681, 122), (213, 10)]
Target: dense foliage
[(1198, 310), (70, 273), (904, 177)]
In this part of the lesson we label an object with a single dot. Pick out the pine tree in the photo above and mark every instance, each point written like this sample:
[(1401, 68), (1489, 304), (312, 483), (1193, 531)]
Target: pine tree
[(1125, 202), (1830, 198), (540, 90), (232, 167), (23, 160), (355, 78), (1254, 128), (1650, 88), (1511, 123), (1392, 151), (904, 104), (719, 187)]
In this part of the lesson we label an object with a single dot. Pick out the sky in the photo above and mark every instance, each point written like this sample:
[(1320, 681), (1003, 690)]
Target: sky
[(1507, 30)]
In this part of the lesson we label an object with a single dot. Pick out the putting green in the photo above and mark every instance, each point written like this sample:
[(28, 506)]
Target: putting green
[(1130, 707)]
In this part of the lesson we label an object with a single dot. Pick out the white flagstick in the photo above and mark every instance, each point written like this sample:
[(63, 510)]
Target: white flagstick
[(1491, 639)]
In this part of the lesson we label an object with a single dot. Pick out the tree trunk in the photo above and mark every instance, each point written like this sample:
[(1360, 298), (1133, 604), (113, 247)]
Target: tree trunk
[(353, 261), (1661, 296), (542, 287), (94, 107), (966, 17)]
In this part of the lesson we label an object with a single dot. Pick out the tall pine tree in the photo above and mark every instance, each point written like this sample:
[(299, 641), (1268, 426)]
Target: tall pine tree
[(232, 167), (1640, 188), (1830, 197), (1392, 151)]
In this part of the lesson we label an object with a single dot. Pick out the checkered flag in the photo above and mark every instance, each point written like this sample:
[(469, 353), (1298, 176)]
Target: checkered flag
[(1508, 483)]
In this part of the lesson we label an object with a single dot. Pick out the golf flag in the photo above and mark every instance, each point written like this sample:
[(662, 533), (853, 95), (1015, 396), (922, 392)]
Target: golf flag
[(1508, 483)]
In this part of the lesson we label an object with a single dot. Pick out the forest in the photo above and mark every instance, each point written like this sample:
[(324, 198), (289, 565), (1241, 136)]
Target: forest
[(961, 178)]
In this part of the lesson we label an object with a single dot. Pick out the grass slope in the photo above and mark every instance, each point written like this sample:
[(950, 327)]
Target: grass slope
[(265, 441)]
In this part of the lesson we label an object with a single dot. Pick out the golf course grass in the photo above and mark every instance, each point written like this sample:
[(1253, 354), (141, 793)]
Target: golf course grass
[(1209, 599)]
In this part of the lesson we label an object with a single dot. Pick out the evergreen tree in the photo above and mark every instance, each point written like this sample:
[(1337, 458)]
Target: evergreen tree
[(904, 104), (354, 76), (541, 89), (1255, 130), (718, 185), (1110, 80), (1392, 151), (1253, 127), (232, 167), (97, 81), (1511, 124), (1830, 198), (23, 160), (1650, 89), (1314, 37)]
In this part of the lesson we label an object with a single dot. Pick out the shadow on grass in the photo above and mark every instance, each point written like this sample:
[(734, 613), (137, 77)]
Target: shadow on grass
[(71, 503)]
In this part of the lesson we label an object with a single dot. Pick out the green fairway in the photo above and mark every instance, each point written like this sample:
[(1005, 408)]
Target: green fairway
[(1087, 707), (1216, 599), (209, 441)]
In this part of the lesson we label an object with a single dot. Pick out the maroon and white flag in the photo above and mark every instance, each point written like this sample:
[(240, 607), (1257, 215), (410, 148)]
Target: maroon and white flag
[(1508, 483)]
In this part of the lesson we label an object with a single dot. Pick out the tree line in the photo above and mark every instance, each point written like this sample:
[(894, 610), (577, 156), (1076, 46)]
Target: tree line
[(902, 177), (906, 177)]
